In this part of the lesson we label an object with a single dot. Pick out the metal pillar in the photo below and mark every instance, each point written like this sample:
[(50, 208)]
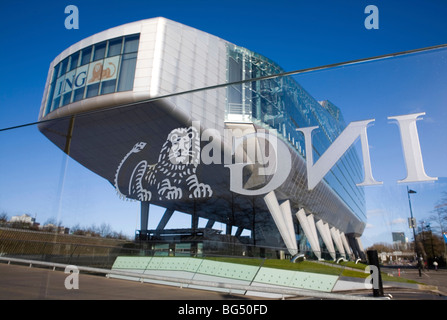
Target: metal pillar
[(337, 240), (209, 224), (238, 232), (323, 228), (282, 216), (308, 225), (194, 219), (144, 217), (418, 256), (164, 220), (69, 136), (354, 245)]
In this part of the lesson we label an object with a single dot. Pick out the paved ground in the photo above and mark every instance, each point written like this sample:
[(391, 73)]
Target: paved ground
[(18, 282), (428, 277)]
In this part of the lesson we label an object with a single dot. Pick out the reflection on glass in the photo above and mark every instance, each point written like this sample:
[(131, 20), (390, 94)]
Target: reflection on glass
[(283, 104), (328, 99), (86, 54), (100, 50), (98, 74)]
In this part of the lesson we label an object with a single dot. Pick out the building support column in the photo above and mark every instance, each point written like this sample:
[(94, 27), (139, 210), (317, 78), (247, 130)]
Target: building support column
[(354, 246), (308, 225), (282, 215), (164, 220), (323, 228), (345, 243), (360, 245), (238, 232), (336, 236), (194, 219), (228, 229), (144, 217), (210, 224)]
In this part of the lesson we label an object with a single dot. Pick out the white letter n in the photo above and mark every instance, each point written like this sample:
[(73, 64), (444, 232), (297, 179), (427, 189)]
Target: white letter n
[(317, 171)]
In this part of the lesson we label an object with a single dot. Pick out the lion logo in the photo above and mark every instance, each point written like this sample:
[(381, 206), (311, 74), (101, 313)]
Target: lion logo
[(96, 73), (99, 73), (176, 167)]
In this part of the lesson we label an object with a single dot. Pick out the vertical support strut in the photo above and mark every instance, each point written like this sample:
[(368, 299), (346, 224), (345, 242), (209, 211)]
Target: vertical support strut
[(69, 135), (144, 217)]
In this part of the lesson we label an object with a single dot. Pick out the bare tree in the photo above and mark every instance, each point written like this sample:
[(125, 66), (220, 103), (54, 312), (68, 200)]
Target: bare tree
[(439, 215), (3, 219)]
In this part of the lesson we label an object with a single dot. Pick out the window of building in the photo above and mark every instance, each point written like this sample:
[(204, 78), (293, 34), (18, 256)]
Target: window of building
[(78, 94), (127, 72), (92, 90), (74, 61), (108, 86), (103, 68), (115, 47), (131, 44), (100, 51), (86, 55), (63, 66)]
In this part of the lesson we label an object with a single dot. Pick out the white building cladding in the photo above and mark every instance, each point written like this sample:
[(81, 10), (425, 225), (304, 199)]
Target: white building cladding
[(131, 74)]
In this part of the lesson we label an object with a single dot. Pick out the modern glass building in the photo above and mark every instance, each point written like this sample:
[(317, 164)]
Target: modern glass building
[(126, 101)]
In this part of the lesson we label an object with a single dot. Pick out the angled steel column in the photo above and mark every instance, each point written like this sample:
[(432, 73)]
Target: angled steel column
[(360, 245), (354, 245), (345, 243), (209, 224), (238, 232), (336, 236), (69, 136), (287, 217), (194, 219), (305, 224), (164, 220), (326, 236), (311, 221), (280, 219), (144, 216)]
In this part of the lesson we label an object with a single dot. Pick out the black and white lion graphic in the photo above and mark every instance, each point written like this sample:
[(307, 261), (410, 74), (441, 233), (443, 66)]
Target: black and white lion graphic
[(176, 167)]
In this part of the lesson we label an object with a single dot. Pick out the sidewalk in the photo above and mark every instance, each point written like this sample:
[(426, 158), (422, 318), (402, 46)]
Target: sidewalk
[(428, 278)]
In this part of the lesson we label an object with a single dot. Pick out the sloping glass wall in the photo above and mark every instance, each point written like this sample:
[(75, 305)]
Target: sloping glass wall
[(60, 178)]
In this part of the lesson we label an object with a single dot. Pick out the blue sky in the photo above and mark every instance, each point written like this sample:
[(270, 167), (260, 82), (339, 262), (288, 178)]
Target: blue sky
[(295, 34)]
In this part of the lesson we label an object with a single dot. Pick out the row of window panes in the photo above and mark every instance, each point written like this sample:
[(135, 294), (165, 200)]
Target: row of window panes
[(268, 99), (124, 47)]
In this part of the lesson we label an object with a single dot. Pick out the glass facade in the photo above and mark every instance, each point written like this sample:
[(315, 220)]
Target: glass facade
[(102, 68), (282, 104)]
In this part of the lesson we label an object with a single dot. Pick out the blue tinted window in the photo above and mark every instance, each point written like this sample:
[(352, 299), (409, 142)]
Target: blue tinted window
[(114, 47), (63, 66), (108, 86), (66, 99), (116, 72), (282, 104), (78, 94), (86, 54), (56, 72), (100, 51), (55, 104), (131, 44), (74, 61), (127, 72), (92, 90)]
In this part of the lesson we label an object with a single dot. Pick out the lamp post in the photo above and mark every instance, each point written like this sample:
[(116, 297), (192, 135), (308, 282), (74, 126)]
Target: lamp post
[(409, 191)]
